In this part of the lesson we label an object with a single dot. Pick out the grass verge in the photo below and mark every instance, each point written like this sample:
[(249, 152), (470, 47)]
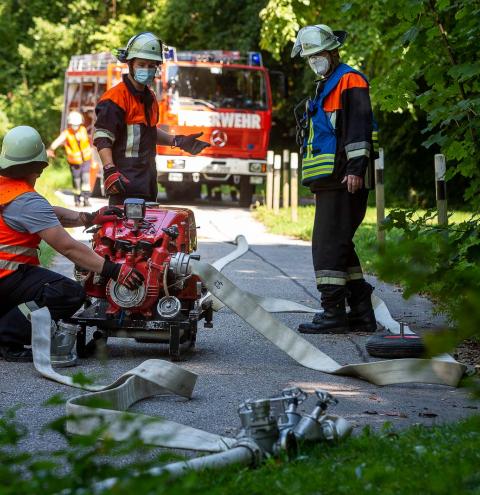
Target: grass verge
[(54, 177), (365, 239), (424, 460), (440, 460)]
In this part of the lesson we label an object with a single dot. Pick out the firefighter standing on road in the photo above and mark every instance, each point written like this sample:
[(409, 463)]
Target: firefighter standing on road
[(126, 132), (336, 135), (26, 218), (79, 155)]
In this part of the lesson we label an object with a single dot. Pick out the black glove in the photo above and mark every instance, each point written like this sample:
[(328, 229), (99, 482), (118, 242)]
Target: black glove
[(114, 181), (124, 274), (190, 143)]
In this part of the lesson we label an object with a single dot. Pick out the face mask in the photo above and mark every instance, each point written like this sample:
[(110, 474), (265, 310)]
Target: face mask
[(75, 127), (145, 76), (319, 65)]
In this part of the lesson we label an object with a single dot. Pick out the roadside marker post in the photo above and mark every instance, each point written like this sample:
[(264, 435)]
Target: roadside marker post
[(380, 197), (269, 185), (286, 179), (441, 189), (277, 171), (294, 185)]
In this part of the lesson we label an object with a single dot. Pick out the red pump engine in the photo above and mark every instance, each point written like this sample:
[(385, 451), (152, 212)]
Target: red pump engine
[(156, 241)]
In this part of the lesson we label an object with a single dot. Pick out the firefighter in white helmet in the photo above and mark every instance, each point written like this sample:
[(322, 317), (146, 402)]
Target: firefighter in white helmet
[(126, 132), (79, 155), (26, 218), (335, 133)]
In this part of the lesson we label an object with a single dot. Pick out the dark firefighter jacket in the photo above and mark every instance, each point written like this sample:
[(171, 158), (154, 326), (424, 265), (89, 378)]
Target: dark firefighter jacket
[(339, 131), (126, 123)]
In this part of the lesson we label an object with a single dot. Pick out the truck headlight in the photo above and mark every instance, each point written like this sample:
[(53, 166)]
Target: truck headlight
[(134, 208), (257, 168), (176, 164)]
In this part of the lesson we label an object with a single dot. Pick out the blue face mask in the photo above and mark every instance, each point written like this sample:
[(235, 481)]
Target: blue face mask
[(145, 76)]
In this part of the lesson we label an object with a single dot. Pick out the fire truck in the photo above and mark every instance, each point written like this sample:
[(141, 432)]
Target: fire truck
[(224, 94)]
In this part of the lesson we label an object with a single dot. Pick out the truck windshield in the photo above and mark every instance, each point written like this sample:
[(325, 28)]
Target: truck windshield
[(218, 87)]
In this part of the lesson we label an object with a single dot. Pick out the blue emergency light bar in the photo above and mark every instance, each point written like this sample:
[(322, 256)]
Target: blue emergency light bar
[(220, 56)]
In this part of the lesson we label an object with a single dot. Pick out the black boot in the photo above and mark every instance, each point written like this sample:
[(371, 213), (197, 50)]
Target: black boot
[(332, 320), (334, 317), (16, 353), (361, 317)]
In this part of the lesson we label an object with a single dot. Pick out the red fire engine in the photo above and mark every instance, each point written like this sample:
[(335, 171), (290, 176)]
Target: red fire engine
[(223, 94)]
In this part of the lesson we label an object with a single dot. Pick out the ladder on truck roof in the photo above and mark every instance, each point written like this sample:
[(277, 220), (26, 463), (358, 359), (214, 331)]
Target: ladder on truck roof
[(91, 62)]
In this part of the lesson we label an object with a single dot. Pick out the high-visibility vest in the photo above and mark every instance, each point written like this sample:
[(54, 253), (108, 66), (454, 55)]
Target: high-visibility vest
[(16, 248), (320, 142), (77, 145)]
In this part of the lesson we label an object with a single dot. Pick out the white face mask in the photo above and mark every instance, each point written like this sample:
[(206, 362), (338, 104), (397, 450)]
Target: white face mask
[(319, 64), (75, 127)]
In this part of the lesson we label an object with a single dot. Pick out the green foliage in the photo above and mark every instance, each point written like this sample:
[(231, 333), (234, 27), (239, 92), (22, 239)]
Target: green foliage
[(420, 58), (441, 261), (80, 464)]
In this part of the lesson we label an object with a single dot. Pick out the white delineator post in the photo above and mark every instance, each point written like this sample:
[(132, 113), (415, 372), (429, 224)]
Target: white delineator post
[(286, 179), (269, 185), (294, 185), (277, 172), (441, 189), (380, 197)]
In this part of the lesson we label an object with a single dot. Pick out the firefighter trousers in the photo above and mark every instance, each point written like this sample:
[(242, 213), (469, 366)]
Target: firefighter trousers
[(338, 214), (61, 295), (81, 180)]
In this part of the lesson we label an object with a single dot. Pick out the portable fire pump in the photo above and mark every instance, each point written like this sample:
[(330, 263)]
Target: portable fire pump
[(158, 242)]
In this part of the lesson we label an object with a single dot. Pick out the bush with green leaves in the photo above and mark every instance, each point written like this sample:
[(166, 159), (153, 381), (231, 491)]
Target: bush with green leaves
[(441, 261)]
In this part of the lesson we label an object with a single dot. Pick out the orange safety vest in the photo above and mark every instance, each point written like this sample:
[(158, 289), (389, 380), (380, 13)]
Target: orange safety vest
[(77, 145), (16, 248)]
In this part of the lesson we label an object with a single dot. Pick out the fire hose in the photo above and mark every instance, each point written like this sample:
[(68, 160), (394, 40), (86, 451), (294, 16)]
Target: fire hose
[(157, 377)]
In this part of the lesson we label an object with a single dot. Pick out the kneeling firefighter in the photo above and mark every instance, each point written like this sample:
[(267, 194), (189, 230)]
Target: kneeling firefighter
[(335, 132), (126, 132), (26, 218)]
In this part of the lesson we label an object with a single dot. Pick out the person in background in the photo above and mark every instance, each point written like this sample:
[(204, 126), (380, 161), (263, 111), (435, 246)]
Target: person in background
[(335, 131), (79, 155)]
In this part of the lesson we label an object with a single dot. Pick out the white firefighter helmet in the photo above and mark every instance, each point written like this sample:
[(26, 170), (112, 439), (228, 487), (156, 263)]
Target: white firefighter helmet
[(317, 38), (75, 118), (144, 45), (22, 145)]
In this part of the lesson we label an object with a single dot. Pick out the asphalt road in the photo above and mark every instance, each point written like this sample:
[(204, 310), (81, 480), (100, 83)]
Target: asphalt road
[(234, 362)]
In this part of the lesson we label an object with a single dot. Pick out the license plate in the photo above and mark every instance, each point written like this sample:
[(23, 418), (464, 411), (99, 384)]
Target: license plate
[(175, 177), (218, 169), (256, 180)]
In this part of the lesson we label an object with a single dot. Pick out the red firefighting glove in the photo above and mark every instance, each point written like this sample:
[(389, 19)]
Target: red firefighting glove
[(101, 216), (114, 181), (190, 143), (124, 274)]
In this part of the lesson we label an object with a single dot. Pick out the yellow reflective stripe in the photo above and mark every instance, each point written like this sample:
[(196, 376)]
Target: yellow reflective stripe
[(331, 280), (323, 158), (357, 153), (322, 170), (310, 140)]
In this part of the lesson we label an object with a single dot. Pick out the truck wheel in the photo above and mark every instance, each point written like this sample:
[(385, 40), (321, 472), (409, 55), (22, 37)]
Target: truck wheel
[(393, 346), (172, 192), (246, 191)]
